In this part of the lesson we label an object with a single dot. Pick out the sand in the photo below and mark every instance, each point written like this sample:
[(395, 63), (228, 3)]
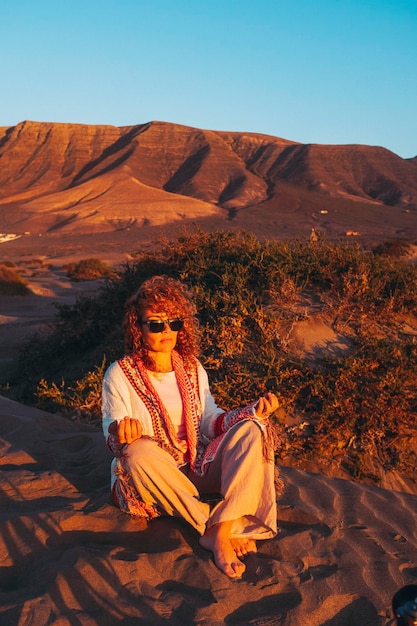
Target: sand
[(68, 556)]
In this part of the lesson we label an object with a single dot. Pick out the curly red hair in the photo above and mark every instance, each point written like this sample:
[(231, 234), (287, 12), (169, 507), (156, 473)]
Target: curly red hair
[(162, 294)]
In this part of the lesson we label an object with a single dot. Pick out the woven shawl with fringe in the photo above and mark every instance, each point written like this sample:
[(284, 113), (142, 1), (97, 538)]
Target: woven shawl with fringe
[(164, 433)]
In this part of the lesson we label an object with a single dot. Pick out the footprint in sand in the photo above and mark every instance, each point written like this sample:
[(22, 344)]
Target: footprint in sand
[(318, 572)]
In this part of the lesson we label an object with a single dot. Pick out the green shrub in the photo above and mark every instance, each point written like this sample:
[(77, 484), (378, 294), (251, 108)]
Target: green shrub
[(394, 248), (364, 405), (11, 283), (87, 269), (80, 400)]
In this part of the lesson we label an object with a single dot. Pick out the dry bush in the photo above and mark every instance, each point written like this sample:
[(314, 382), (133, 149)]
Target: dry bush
[(11, 283), (88, 269), (356, 411)]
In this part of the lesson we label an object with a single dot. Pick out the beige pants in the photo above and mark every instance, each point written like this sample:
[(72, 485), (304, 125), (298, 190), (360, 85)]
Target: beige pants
[(238, 472)]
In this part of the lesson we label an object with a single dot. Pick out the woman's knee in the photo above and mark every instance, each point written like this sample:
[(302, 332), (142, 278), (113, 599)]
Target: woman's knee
[(250, 431), (245, 438), (144, 452)]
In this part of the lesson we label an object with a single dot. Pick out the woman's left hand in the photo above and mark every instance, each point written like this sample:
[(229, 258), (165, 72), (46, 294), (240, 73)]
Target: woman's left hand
[(266, 405)]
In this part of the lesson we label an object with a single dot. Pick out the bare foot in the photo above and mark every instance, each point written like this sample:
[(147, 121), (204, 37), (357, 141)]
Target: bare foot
[(243, 546), (217, 540)]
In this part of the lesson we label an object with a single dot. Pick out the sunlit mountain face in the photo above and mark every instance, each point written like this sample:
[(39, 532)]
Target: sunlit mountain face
[(68, 178)]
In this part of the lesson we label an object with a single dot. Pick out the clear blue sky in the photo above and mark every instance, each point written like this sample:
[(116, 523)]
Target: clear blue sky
[(319, 71)]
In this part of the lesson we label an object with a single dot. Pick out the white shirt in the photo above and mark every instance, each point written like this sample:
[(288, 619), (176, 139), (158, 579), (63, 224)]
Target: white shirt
[(167, 388)]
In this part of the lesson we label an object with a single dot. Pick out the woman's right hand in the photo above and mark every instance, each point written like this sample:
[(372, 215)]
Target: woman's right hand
[(126, 430), (266, 405)]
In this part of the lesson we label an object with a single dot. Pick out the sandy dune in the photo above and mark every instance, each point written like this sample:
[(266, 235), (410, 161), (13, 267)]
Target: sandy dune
[(68, 556)]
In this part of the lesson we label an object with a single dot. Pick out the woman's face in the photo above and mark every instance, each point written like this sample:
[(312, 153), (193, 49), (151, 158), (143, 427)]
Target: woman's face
[(164, 341)]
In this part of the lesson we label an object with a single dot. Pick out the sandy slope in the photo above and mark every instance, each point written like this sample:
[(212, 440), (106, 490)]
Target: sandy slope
[(22, 316), (68, 556)]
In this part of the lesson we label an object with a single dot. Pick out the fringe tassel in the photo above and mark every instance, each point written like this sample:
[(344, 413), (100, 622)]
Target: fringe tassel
[(126, 498)]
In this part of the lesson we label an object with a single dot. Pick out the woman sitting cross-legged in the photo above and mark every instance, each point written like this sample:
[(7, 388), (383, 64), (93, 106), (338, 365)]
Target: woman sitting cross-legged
[(171, 442)]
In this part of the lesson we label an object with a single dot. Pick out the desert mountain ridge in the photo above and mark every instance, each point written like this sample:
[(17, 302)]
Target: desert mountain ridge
[(58, 178)]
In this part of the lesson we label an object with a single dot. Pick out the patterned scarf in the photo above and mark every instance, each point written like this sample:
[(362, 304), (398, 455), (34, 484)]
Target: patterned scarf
[(163, 428)]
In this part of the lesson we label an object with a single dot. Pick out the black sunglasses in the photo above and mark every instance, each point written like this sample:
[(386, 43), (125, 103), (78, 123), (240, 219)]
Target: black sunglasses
[(157, 326)]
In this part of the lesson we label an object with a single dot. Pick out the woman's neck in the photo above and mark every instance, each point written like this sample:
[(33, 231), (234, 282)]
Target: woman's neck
[(161, 362)]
